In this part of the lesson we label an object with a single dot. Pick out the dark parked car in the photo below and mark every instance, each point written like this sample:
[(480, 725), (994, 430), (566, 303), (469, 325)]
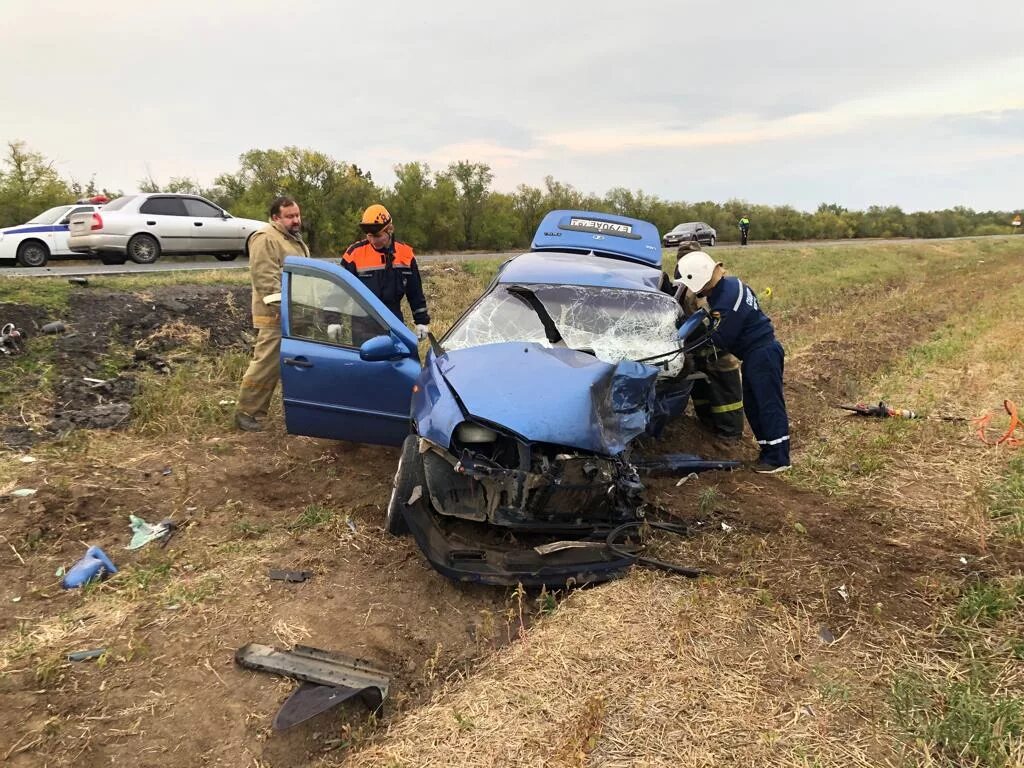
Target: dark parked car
[(703, 233), (516, 431)]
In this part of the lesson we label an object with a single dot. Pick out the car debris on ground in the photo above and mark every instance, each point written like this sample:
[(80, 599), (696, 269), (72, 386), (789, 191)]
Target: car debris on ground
[(143, 533), (327, 679), (296, 577), (94, 565)]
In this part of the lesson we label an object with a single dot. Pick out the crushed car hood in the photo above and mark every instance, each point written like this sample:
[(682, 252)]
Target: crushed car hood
[(553, 394)]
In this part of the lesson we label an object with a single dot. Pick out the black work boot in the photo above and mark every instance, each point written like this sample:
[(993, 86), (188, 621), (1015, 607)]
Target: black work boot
[(247, 423)]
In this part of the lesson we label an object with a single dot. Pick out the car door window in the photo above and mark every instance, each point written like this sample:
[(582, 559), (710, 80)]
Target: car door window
[(201, 208), (164, 206), (324, 311)]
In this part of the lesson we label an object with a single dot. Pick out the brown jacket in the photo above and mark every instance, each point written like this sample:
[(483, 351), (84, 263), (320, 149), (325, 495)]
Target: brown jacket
[(267, 250)]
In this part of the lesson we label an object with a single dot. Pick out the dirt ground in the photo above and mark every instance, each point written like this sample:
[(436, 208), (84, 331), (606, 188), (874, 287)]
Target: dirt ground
[(167, 692)]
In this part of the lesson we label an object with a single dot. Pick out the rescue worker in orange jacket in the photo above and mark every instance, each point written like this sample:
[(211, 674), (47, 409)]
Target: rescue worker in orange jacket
[(388, 267)]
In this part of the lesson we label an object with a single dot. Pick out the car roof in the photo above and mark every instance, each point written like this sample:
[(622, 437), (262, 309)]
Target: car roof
[(591, 270), (620, 237)]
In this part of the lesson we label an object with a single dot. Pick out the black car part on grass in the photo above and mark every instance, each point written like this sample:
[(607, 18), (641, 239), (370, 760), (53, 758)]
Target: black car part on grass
[(328, 678)]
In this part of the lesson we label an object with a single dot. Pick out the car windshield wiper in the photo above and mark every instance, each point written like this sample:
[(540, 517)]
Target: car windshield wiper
[(529, 298)]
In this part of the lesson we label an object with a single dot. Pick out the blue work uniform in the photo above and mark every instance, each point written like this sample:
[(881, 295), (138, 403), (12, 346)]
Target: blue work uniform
[(740, 327)]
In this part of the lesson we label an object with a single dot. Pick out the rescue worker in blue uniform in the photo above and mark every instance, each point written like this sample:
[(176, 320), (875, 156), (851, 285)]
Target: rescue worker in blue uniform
[(388, 268), (717, 396), (740, 327)]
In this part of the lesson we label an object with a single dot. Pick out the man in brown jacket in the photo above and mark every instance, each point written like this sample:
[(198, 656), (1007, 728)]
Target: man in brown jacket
[(267, 249)]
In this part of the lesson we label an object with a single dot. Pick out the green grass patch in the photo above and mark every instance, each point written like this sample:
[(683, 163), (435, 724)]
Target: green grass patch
[(969, 709), (959, 723), (187, 401), (314, 516), (46, 293), (483, 270), (1007, 500)]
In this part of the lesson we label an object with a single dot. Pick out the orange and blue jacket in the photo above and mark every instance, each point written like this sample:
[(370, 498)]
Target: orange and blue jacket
[(390, 275)]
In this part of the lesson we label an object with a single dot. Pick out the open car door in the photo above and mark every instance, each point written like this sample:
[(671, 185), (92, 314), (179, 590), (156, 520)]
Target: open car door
[(348, 364)]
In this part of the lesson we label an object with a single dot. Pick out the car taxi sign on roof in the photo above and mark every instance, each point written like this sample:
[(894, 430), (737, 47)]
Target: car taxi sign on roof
[(602, 233)]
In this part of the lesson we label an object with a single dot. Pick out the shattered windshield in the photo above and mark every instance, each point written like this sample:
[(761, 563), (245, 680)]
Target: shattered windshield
[(613, 323)]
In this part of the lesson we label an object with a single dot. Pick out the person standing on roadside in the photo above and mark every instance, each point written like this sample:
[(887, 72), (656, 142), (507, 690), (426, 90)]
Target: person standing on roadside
[(744, 229), (740, 327), (388, 268), (267, 250)]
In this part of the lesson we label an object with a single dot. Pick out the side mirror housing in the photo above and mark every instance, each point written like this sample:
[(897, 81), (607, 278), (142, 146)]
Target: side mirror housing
[(382, 347), (693, 323)]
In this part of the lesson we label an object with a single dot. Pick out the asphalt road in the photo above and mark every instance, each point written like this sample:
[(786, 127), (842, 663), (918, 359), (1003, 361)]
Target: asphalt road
[(84, 268)]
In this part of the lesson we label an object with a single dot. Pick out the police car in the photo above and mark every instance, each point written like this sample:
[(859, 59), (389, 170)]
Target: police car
[(33, 243)]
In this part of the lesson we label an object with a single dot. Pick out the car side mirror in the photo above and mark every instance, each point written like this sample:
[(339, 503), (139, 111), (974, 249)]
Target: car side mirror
[(381, 347), (692, 323), (65, 221), (225, 215)]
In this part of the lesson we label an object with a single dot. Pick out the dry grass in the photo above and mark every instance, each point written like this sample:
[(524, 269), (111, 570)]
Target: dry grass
[(651, 671)]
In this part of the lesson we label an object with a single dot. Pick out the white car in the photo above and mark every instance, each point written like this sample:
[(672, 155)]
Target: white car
[(33, 243), (142, 227)]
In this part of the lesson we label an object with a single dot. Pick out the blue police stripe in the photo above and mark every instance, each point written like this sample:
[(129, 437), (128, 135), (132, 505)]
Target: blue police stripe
[(28, 230)]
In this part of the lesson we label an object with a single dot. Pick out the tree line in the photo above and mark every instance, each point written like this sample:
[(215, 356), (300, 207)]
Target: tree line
[(454, 208)]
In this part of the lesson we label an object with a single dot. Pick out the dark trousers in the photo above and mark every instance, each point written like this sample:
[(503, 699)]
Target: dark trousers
[(718, 401), (764, 404), (743, 235)]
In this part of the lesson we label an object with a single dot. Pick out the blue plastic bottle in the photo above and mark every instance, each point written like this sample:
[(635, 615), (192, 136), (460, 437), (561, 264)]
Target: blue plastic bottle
[(94, 565)]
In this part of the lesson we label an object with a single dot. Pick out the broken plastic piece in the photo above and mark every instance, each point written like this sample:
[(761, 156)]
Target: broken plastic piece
[(78, 280), (678, 463), (55, 327), (277, 574), (21, 493), (328, 678), (94, 565), (92, 653), (143, 532)]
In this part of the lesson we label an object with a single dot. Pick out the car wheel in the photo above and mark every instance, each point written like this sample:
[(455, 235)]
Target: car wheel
[(408, 476), (225, 256), (33, 253), (143, 249), (711, 242), (112, 258)]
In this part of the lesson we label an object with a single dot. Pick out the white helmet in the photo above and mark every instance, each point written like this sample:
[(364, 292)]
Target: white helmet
[(696, 269)]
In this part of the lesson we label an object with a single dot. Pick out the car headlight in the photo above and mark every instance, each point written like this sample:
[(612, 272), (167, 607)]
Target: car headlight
[(467, 432)]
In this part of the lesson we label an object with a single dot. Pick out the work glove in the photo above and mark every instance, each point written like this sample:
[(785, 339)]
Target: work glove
[(334, 332), (422, 331)]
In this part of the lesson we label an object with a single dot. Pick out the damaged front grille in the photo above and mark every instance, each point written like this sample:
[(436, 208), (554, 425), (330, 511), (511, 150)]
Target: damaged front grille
[(532, 487)]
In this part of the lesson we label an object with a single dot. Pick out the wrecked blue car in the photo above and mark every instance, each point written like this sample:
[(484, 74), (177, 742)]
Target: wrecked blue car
[(516, 428)]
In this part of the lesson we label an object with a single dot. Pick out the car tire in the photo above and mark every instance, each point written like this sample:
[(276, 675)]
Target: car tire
[(33, 253), (408, 475), (143, 249), (225, 256), (711, 242), (112, 258)]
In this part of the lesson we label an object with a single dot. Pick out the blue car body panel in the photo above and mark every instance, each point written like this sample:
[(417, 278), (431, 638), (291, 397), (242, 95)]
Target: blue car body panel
[(618, 236), (435, 409), (588, 404), (578, 269), (329, 390)]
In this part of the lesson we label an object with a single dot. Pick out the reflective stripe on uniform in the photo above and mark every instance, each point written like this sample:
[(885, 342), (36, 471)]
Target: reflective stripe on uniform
[(773, 442), (726, 408), (739, 297)]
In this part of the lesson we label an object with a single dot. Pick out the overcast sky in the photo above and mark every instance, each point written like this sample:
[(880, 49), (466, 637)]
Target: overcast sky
[(908, 103)]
